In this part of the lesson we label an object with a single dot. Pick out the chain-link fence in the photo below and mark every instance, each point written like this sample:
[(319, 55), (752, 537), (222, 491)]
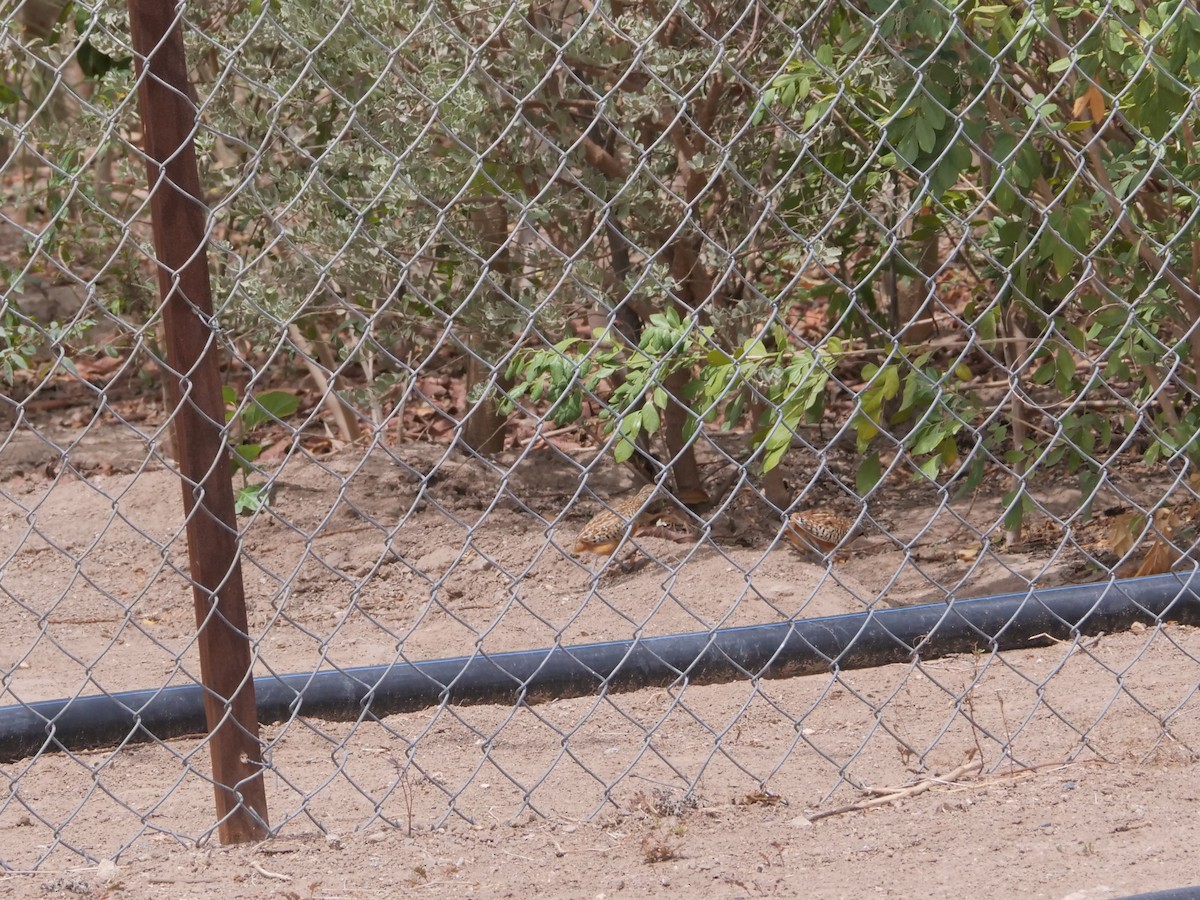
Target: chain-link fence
[(892, 304)]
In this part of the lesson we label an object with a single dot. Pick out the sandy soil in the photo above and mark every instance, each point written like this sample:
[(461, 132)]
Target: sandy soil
[(1073, 765)]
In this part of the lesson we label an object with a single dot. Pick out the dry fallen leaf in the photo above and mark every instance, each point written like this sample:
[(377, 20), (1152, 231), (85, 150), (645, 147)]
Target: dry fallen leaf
[(1158, 560), (1162, 553), (1092, 101), (1124, 531)]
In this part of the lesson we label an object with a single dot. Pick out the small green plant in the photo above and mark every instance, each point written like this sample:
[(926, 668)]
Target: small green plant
[(938, 400), (575, 368), (21, 341), (766, 373), (242, 421)]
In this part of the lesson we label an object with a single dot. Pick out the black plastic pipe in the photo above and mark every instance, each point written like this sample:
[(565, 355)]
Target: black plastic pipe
[(799, 647)]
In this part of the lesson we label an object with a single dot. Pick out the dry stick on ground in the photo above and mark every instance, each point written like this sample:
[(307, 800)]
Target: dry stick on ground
[(342, 414), (891, 795), (277, 876)]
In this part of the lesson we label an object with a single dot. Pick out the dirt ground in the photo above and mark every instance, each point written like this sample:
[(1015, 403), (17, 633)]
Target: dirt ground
[(1062, 771)]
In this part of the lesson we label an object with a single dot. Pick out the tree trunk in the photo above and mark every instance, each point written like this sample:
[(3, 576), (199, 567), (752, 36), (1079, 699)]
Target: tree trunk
[(914, 308), (483, 426)]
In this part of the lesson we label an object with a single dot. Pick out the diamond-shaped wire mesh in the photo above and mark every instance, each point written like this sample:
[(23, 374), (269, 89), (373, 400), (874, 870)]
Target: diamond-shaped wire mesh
[(894, 304)]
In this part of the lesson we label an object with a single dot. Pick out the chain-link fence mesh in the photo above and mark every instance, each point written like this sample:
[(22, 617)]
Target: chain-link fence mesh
[(927, 271)]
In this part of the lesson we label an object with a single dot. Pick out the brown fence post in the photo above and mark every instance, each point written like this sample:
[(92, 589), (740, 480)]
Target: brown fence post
[(179, 221)]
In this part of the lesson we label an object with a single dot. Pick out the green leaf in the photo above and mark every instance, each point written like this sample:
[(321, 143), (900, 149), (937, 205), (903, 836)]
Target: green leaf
[(1012, 518), (244, 456), (866, 430), (1064, 259), (775, 446), (975, 473), (650, 420), (569, 410), (1075, 335), (251, 498), (1078, 226), (868, 475), (1060, 65), (269, 406), (1065, 366), (733, 412), (890, 385), (624, 449), (631, 423), (773, 456), (1113, 316), (928, 438), (931, 467)]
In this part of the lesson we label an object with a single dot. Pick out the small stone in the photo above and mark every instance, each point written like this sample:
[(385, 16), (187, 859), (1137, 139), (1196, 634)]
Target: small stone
[(437, 560), (1138, 628), (801, 822), (333, 841), (377, 837)]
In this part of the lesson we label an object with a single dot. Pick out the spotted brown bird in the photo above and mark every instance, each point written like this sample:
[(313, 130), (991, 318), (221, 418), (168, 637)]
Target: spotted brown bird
[(820, 530), (604, 532)]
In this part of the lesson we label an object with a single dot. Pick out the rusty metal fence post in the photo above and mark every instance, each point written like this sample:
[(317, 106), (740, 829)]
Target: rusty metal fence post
[(194, 381)]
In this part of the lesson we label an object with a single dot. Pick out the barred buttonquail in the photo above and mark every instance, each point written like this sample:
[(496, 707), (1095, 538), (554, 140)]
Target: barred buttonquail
[(604, 532), (819, 530)]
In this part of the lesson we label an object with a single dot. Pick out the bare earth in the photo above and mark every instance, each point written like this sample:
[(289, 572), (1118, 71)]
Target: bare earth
[(1074, 773)]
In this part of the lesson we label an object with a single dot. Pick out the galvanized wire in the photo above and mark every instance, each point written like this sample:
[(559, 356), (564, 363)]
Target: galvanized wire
[(405, 206)]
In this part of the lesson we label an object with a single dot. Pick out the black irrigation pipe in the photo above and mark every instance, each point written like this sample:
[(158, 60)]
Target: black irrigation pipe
[(799, 647)]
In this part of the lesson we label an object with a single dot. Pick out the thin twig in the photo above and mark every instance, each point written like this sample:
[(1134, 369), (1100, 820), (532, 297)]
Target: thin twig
[(905, 793), (544, 436), (342, 414), (268, 874)]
